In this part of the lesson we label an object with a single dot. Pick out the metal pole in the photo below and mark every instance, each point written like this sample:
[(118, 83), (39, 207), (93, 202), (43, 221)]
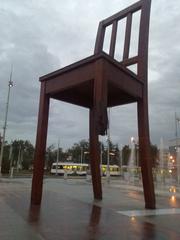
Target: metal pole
[(81, 155), (108, 148), (120, 155), (120, 158), (176, 133), (176, 147), (10, 84), (57, 159), (11, 163), (177, 120), (19, 159)]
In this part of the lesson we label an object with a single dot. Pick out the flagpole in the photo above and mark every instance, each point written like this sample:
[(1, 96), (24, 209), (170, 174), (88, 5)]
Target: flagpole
[(10, 84)]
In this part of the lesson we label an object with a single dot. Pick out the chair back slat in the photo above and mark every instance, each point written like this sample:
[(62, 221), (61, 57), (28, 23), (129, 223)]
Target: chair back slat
[(99, 39), (127, 14), (127, 36), (113, 39), (130, 61)]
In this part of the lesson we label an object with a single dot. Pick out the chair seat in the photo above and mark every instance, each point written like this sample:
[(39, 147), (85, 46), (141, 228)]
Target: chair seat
[(74, 83)]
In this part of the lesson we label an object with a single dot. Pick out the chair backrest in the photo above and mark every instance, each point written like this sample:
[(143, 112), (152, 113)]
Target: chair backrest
[(141, 58)]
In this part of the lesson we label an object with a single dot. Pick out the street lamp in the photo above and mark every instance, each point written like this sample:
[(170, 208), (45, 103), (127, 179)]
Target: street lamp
[(10, 85)]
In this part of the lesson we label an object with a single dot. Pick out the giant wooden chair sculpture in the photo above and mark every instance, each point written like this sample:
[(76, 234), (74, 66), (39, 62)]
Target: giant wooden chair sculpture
[(98, 82)]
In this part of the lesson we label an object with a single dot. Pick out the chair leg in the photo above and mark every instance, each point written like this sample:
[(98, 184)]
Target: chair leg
[(95, 157), (144, 154), (39, 157)]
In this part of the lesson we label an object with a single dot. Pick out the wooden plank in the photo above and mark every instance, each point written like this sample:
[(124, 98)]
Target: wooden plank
[(144, 153), (118, 97), (70, 79), (74, 97), (143, 41), (127, 36), (39, 157), (95, 156), (113, 39), (118, 102), (119, 65), (99, 39), (116, 17), (70, 67), (100, 96), (130, 61), (123, 80)]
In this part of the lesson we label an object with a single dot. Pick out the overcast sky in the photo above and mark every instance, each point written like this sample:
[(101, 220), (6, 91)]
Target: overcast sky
[(40, 36)]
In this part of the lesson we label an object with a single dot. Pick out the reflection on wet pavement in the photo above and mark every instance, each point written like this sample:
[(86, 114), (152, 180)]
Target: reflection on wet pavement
[(67, 212)]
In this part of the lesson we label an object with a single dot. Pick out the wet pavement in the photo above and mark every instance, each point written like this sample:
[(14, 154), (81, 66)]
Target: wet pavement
[(68, 211)]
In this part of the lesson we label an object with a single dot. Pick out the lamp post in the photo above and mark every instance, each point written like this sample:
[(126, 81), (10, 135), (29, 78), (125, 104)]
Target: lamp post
[(120, 155), (121, 158), (108, 149), (177, 121), (19, 158), (57, 158), (10, 85), (11, 161), (81, 156)]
